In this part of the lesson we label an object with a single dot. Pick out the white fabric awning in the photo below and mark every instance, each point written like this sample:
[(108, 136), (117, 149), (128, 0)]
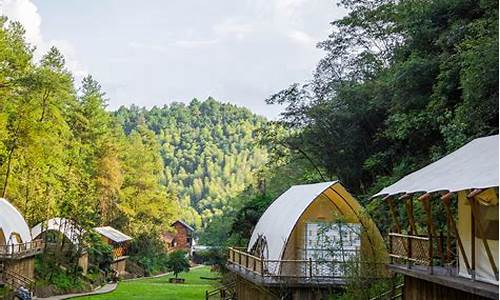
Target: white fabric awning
[(113, 234), (69, 228), (474, 166), (11, 221), (278, 221)]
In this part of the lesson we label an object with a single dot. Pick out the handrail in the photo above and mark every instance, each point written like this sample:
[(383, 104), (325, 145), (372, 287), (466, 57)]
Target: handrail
[(297, 268), (415, 237), (223, 292), (17, 280), (21, 249)]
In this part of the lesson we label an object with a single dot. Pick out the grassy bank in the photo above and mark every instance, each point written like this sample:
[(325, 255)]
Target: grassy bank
[(159, 288)]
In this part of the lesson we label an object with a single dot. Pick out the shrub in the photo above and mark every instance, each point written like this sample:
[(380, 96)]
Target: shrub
[(178, 262)]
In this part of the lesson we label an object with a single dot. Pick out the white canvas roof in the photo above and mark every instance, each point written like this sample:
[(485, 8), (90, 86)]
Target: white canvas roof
[(11, 221), (473, 166), (113, 234), (71, 230), (278, 221)]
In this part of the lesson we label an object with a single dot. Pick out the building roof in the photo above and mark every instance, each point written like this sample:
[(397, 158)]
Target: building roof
[(474, 166), (113, 234), (183, 224), (168, 236), (69, 228), (278, 221), (12, 222)]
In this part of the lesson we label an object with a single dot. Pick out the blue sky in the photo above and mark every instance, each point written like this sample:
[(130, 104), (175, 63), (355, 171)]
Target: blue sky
[(155, 52)]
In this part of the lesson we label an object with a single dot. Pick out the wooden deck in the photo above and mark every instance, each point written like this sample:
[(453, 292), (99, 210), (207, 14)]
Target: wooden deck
[(19, 251), (290, 282), (449, 278)]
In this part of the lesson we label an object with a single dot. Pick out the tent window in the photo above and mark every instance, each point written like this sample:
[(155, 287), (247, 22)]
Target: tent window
[(489, 221), (331, 242)]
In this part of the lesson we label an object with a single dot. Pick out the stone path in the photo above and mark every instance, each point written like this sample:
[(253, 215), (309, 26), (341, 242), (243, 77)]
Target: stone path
[(107, 288)]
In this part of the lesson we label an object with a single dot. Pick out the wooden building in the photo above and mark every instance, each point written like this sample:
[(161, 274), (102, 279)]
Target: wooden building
[(17, 248), (119, 241), (306, 244), (181, 238), (459, 193)]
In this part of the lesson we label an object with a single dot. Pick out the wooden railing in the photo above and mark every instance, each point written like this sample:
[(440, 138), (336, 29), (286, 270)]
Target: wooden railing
[(118, 251), (305, 269), (21, 250), (17, 281), (225, 292), (420, 250)]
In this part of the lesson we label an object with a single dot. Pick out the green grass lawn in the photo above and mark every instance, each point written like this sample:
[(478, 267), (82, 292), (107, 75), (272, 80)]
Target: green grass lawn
[(159, 288)]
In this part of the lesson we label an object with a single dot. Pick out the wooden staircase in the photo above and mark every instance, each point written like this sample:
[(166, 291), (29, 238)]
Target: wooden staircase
[(15, 280), (224, 292)]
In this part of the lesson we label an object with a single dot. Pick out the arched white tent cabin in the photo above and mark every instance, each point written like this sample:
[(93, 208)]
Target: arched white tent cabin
[(17, 248), (69, 228), (291, 227), (13, 227)]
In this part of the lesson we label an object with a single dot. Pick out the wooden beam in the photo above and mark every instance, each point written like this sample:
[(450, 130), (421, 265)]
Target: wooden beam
[(479, 227), (446, 200), (473, 242), (430, 228), (409, 211), (395, 217)]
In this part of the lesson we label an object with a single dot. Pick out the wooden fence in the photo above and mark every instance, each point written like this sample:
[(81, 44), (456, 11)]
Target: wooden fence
[(21, 250), (304, 269)]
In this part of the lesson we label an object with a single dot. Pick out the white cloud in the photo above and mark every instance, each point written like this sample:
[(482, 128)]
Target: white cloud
[(234, 27), (194, 43), (26, 13), (302, 38)]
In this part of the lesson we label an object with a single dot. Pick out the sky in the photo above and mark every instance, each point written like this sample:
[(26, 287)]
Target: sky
[(154, 52)]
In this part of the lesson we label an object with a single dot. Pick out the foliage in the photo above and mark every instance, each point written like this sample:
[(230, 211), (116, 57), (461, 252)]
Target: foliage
[(100, 254), (208, 150), (148, 251), (178, 262), (402, 83), (63, 155)]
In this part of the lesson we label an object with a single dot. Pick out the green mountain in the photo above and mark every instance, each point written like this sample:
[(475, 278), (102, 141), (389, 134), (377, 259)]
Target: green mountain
[(208, 149)]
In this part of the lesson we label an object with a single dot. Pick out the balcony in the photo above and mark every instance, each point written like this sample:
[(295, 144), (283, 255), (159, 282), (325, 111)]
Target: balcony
[(434, 259), (19, 251), (299, 272)]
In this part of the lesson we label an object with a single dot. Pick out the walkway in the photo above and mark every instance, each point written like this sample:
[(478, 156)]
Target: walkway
[(107, 288)]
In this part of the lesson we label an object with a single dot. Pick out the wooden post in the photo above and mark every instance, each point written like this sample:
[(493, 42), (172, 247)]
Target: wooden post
[(446, 201), (391, 259), (409, 211), (413, 228), (473, 238), (310, 268), (395, 218), (430, 230), (477, 218)]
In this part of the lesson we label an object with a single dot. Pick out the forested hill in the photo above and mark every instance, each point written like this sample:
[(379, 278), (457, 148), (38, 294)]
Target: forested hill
[(208, 149)]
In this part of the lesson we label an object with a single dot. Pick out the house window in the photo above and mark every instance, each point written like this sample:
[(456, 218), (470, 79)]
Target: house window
[(331, 246)]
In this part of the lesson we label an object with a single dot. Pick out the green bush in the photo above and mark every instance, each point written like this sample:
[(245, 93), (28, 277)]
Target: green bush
[(178, 262), (148, 251)]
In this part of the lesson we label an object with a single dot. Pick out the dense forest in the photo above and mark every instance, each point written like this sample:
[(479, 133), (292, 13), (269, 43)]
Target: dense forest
[(208, 150)]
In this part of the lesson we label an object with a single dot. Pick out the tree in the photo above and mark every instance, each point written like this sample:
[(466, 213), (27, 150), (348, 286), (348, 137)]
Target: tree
[(178, 262)]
